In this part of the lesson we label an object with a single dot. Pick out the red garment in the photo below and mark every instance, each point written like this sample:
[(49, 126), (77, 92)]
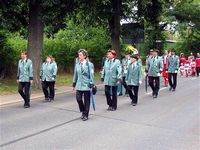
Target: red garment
[(190, 58), (198, 62), (182, 60), (193, 64), (165, 62), (193, 67), (164, 73), (182, 69)]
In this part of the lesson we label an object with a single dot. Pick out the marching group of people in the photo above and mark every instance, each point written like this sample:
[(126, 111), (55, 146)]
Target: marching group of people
[(190, 66), (48, 74), (114, 72)]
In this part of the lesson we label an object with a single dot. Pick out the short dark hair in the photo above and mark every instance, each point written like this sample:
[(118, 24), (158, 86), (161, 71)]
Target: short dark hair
[(84, 52), (24, 52), (134, 56), (173, 50)]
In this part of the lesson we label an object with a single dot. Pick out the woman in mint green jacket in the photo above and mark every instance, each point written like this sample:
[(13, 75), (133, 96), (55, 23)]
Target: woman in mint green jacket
[(83, 82), (48, 74), (111, 75), (134, 79)]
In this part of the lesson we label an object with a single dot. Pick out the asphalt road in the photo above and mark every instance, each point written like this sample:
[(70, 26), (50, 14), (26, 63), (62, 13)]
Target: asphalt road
[(172, 121)]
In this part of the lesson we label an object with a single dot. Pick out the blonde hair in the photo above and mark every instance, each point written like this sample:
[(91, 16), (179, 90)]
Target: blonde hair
[(51, 57)]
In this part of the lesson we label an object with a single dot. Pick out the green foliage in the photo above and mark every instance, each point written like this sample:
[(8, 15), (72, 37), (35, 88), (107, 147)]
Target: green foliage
[(67, 42), (187, 13), (151, 11), (14, 14), (63, 47), (10, 47)]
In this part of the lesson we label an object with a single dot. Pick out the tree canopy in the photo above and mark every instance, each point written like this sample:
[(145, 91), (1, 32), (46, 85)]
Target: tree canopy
[(36, 19)]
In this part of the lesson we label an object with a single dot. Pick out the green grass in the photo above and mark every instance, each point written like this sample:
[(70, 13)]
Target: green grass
[(67, 79), (64, 79), (9, 86)]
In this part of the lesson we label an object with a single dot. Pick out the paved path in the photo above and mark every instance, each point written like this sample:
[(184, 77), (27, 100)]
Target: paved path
[(172, 121)]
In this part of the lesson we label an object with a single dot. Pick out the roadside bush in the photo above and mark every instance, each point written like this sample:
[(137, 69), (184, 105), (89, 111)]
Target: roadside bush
[(67, 42), (10, 47), (63, 47)]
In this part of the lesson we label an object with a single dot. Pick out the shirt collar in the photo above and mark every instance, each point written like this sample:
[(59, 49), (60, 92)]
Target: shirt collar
[(24, 60), (111, 59), (83, 62)]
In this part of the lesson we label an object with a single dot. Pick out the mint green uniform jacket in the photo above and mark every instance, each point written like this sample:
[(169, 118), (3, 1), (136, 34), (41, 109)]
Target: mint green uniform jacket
[(48, 71), (83, 76), (154, 66), (112, 72), (173, 64), (140, 61), (25, 70), (134, 74)]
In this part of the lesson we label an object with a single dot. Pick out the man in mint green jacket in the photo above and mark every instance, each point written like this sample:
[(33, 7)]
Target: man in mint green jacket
[(111, 75), (48, 74), (83, 82), (154, 68), (134, 79), (172, 69), (25, 78)]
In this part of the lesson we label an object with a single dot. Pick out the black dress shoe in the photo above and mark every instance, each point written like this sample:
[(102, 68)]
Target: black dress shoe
[(154, 96), (134, 104), (109, 108), (113, 109), (26, 106), (82, 116), (51, 99), (46, 99), (85, 118)]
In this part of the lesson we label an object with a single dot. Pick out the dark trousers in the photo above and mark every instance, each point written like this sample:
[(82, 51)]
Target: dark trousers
[(48, 89), (174, 83), (124, 84), (198, 71), (111, 101), (24, 91), (135, 89), (84, 106), (154, 83)]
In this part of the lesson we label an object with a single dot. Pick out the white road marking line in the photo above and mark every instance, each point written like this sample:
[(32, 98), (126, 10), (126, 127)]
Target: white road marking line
[(193, 78), (159, 90)]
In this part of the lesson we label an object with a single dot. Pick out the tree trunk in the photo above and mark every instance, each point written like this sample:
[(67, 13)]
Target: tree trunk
[(114, 25), (35, 40)]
